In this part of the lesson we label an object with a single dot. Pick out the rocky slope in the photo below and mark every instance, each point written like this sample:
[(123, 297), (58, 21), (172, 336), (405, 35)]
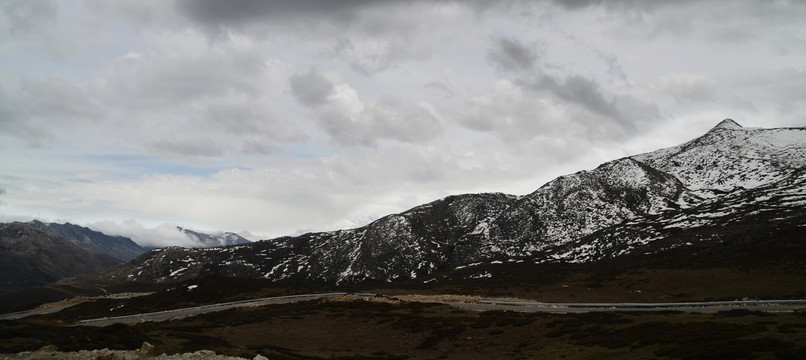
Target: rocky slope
[(118, 247), (688, 196), (31, 257)]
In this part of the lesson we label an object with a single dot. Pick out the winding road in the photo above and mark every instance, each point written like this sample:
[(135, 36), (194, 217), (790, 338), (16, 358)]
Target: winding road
[(481, 305)]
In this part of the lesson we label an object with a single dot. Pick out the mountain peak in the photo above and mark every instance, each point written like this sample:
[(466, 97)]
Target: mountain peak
[(727, 124)]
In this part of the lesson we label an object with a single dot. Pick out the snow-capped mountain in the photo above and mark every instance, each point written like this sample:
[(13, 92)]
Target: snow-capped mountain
[(731, 185), (214, 239), (730, 156)]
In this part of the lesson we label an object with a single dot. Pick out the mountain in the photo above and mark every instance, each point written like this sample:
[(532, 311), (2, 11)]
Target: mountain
[(729, 191), (32, 257), (213, 240), (118, 247)]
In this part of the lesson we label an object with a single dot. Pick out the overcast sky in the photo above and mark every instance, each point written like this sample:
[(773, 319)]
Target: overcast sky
[(281, 117)]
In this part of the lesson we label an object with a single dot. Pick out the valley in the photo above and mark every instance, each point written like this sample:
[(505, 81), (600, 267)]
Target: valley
[(443, 320), (691, 252)]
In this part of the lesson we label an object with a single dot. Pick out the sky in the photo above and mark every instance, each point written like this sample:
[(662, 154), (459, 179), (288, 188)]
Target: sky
[(273, 118)]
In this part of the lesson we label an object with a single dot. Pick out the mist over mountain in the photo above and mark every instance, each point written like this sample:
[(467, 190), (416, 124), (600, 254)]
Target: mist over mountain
[(213, 239)]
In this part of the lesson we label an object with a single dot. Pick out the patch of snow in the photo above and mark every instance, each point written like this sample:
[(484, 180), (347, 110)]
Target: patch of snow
[(177, 271)]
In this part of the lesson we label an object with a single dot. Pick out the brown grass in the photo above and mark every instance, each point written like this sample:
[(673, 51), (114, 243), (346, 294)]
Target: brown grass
[(376, 328)]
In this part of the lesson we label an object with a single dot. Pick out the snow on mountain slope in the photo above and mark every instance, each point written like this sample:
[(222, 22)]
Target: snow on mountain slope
[(770, 208), (213, 240), (729, 176), (576, 205), (730, 156)]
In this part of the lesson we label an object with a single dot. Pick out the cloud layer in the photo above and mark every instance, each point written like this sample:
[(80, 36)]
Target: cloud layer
[(285, 116)]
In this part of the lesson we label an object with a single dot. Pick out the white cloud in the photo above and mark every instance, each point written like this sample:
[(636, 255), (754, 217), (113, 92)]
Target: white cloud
[(278, 116)]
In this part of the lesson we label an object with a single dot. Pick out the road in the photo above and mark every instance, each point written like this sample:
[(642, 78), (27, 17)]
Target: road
[(37, 311), (204, 309), (481, 305), (693, 307)]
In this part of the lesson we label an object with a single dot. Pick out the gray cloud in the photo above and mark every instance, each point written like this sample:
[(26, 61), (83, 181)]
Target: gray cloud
[(402, 120), (191, 70), (509, 54), (365, 63), (189, 147), (584, 96), (311, 89), (689, 89), (578, 90), (251, 118), (58, 99), (510, 115), (623, 111), (231, 13), (386, 118), (440, 88), (614, 68), (39, 109), (21, 18)]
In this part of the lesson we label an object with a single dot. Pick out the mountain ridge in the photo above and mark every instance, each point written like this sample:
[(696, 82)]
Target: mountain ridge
[(628, 203), (119, 247), (32, 257)]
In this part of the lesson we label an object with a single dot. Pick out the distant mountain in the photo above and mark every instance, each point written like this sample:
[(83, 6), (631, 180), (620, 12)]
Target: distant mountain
[(731, 189), (215, 239), (32, 257), (118, 247)]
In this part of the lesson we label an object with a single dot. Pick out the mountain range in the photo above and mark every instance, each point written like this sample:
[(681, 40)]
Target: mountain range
[(37, 253), (728, 190), (31, 257), (118, 247)]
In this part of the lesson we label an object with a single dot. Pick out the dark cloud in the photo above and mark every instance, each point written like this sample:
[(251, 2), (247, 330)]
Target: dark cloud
[(311, 89), (641, 5), (624, 111), (578, 90), (235, 13), (508, 54), (540, 105)]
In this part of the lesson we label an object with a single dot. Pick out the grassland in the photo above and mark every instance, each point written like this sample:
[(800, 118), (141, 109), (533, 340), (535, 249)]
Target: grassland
[(411, 330)]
